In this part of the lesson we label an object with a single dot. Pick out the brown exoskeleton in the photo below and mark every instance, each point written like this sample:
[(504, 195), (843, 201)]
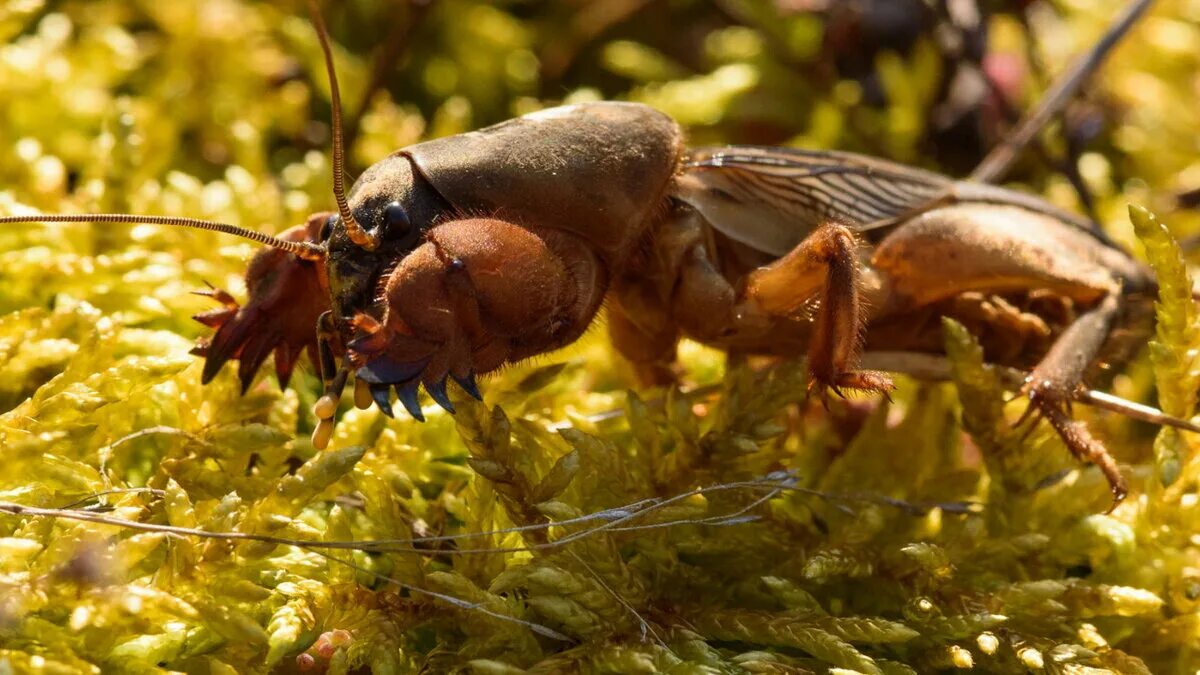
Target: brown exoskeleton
[(453, 257)]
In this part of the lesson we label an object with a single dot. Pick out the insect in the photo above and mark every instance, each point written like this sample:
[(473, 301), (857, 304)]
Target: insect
[(454, 257)]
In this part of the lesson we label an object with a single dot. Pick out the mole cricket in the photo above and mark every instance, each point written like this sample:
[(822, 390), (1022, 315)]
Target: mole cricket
[(453, 257)]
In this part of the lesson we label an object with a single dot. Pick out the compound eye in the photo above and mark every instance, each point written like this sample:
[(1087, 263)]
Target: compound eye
[(327, 227), (395, 220)]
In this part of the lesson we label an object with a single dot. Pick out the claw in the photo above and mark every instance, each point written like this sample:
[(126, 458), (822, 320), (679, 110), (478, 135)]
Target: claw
[(217, 294), (384, 370), (285, 362), (284, 303), (1036, 422), (215, 318), (468, 385), (380, 393), (437, 390), (408, 394), (251, 357), (1030, 411), (214, 358), (201, 347)]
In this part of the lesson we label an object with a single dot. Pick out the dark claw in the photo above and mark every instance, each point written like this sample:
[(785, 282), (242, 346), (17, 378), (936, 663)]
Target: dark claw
[(215, 318), (1031, 411), (468, 384), (285, 362), (1119, 492), (408, 394), (285, 301), (438, 391), (215, 357), (384, 370), (202, 346), (251, 357), (380, 393), (220, 295)]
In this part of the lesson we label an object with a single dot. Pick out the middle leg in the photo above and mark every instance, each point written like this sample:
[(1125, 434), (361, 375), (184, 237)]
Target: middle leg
[(814, 299), (830, 255)]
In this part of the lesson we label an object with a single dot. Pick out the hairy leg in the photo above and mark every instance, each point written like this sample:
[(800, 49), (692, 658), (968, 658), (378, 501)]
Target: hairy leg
[(958, 249), (1058, 380), (703, 303), (830, 254)]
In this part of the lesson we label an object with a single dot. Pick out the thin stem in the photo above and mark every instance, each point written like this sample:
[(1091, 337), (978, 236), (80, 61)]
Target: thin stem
[(1000, 159)]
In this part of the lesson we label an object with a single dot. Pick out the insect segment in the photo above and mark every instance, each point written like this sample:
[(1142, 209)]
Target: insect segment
[(453, 257)]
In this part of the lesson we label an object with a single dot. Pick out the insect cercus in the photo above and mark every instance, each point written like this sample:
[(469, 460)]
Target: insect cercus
[(405, 287)]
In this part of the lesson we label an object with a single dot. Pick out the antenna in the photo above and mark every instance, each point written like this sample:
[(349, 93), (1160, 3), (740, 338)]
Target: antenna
[(303, 249), (357, 234)]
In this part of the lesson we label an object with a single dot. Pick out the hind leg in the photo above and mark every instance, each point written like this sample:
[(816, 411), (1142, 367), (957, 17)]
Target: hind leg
[(1058, 380), (989, 249)]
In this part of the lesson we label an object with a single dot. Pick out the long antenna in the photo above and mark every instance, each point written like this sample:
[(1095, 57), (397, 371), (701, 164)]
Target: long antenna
[(303, 249), (1000, 159), (357, 234)]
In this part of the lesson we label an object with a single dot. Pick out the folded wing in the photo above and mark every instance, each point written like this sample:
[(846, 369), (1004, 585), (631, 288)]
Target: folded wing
[(771, 198)]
